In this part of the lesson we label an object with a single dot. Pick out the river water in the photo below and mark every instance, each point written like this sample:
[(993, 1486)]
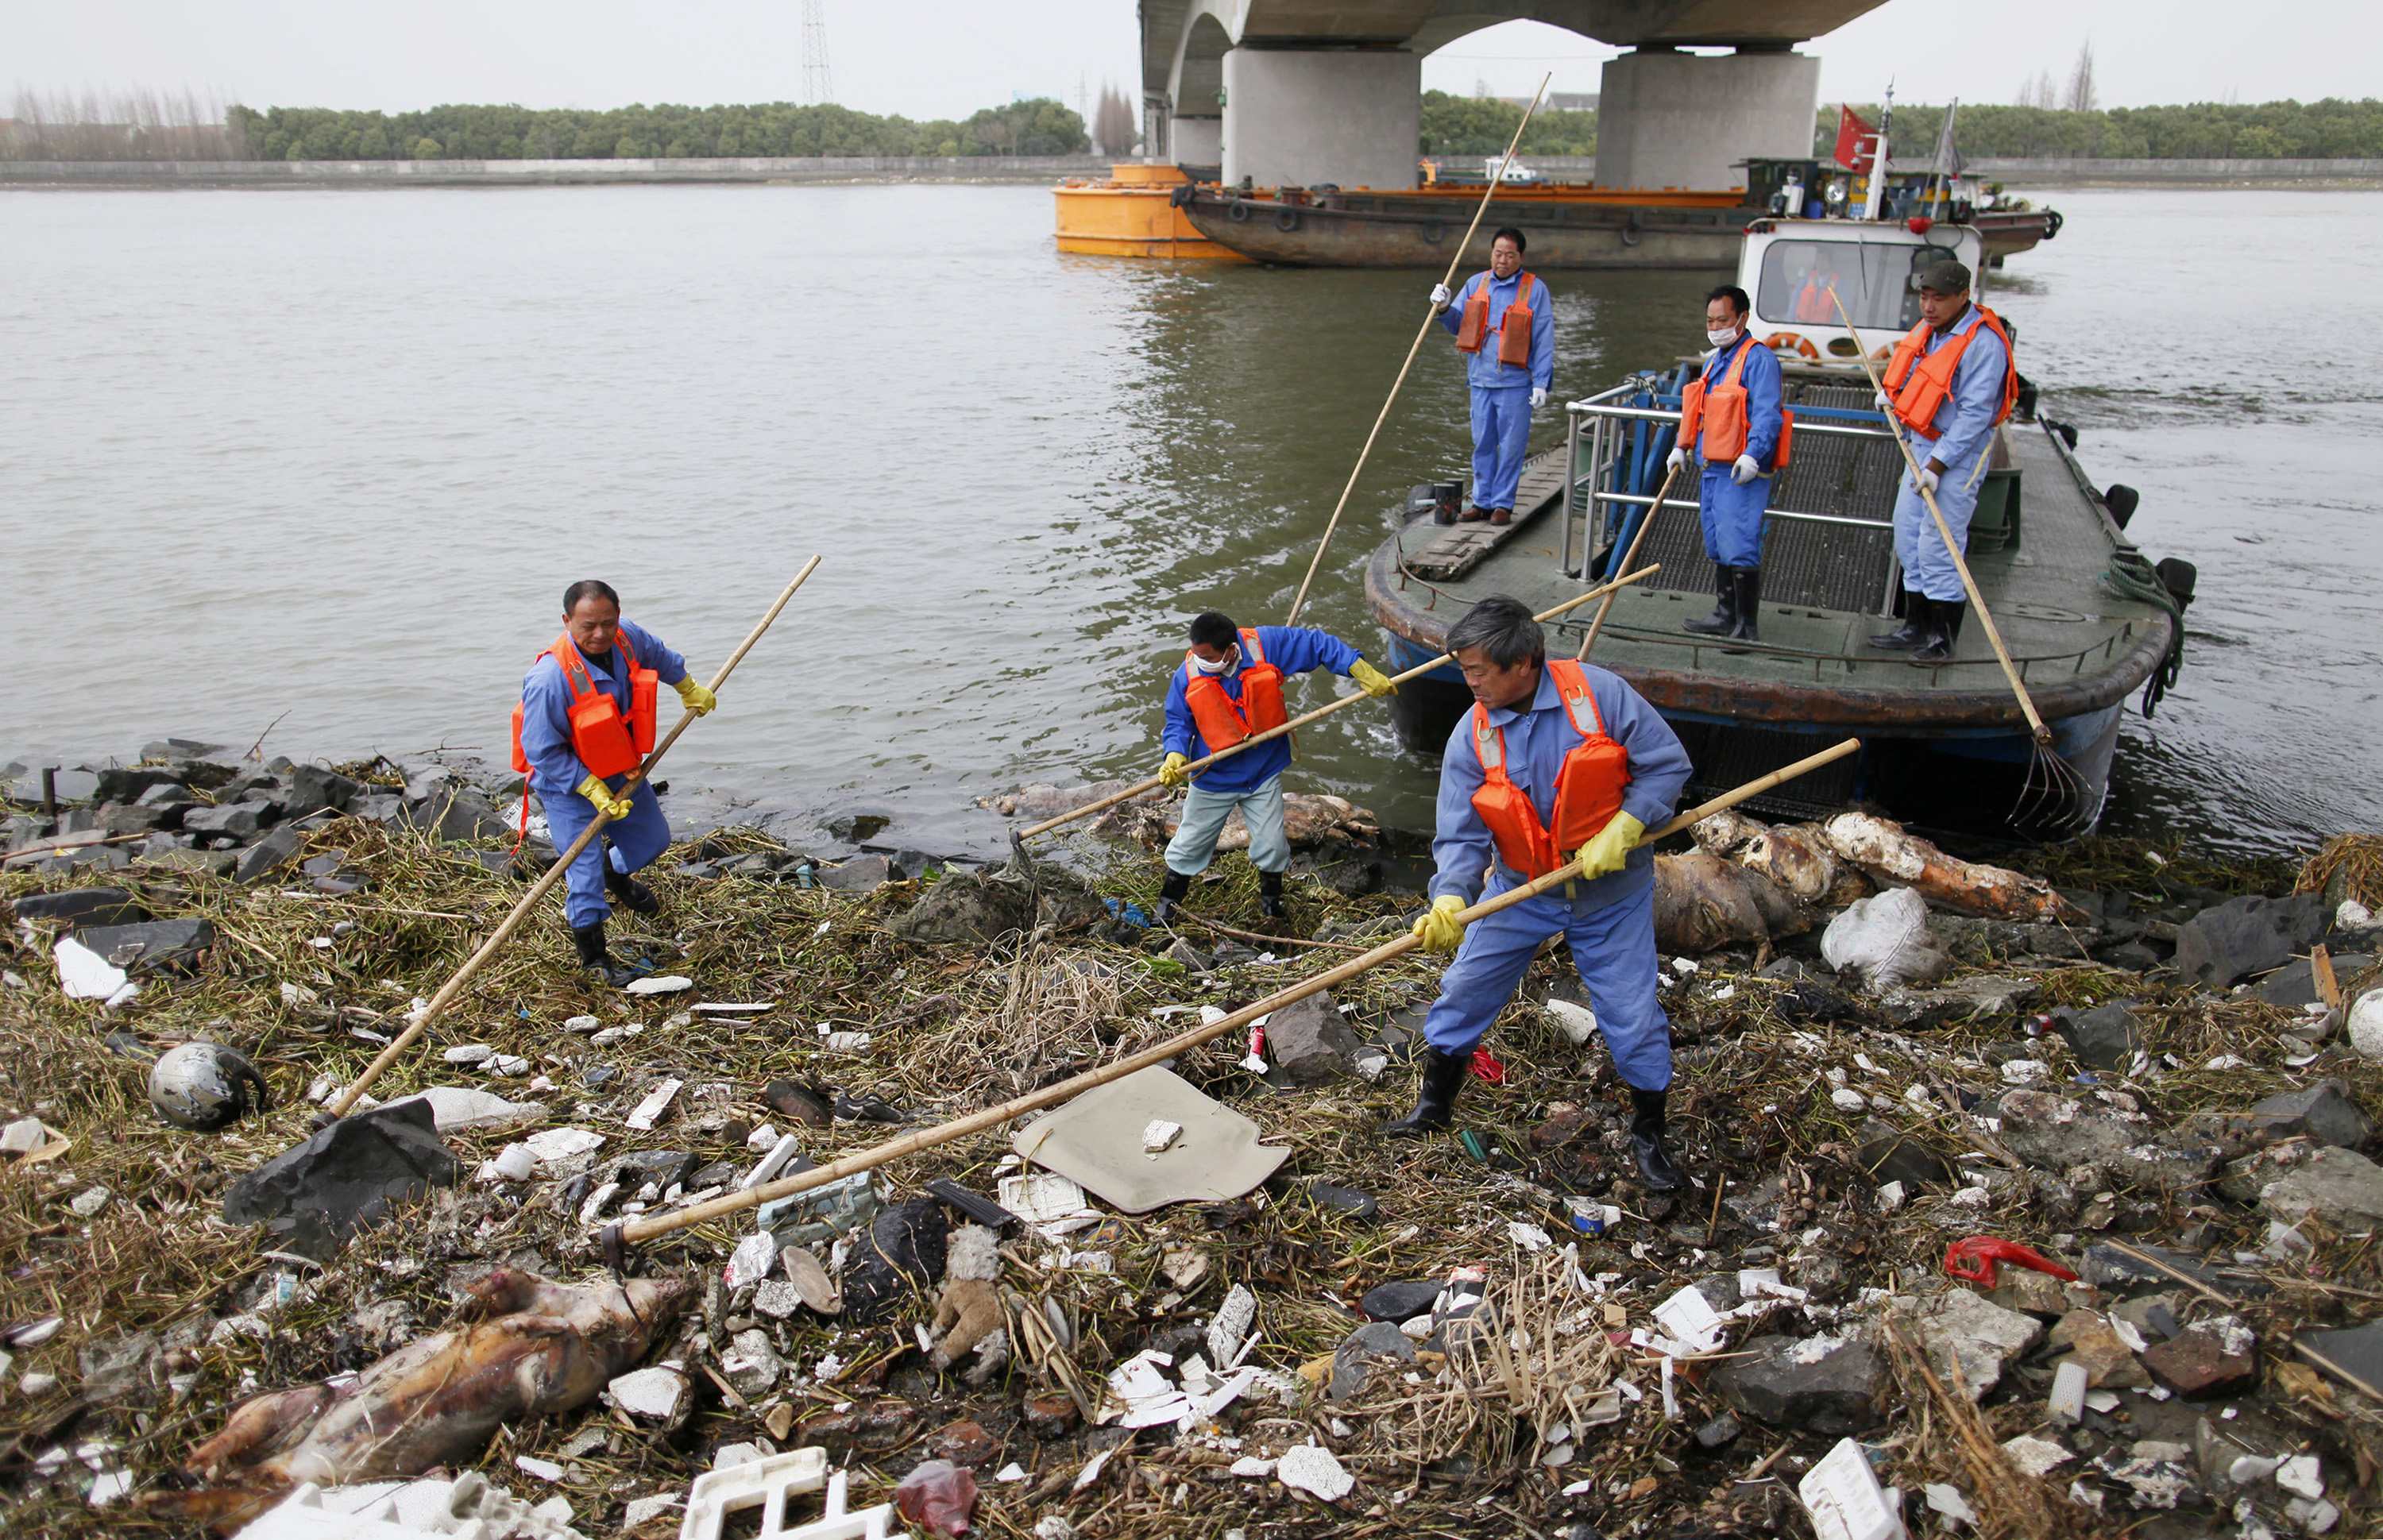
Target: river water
[(326, 461)]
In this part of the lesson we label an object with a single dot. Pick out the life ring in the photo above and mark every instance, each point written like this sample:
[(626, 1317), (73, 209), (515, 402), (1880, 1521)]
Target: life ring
[(1286, 219), (1886, 352), (1238, 211), (1789, 340)]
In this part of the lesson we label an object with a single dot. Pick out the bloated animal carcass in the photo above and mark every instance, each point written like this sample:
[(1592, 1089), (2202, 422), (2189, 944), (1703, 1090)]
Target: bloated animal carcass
[(531, 1347), (1309, 817), (1895, 857), (1703, 904), (1797, 856)]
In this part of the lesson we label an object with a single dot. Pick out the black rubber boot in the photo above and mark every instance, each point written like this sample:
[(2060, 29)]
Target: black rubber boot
[(1178, 887), (628, 892), (589, 940), (1914, 629), (1944, 630), (1443, 1077), (1749, 600), (1655, 1167), (1270, 894), (1723, 621)]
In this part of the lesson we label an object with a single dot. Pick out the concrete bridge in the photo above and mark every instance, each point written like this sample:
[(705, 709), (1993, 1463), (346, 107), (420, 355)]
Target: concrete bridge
[(1294, 92)]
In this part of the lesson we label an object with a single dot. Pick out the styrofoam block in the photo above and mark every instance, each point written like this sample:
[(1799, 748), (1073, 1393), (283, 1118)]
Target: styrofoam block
[(1842, 1495)]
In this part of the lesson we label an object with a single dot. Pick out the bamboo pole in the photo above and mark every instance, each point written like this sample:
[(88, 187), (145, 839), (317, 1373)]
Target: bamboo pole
[(1952, 547), (1413, 347), (546, 879), (637, 1231), (1629, 556), (1196, 765)]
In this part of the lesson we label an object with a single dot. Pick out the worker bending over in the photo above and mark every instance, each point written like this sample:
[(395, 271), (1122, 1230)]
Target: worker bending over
[(1229, 687)]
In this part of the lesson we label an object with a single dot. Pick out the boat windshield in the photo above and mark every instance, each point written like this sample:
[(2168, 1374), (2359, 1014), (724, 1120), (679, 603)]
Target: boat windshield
[(1873, 278)]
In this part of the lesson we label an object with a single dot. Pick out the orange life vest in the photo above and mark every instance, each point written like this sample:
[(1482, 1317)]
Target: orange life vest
[(1513, 326), (1224, 721), (1723, 439), (1589, 786), (1921, 381), (606, 742), (1812, 303)]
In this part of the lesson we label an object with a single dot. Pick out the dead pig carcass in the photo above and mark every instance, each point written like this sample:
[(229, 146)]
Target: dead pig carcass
[(530, 1347)]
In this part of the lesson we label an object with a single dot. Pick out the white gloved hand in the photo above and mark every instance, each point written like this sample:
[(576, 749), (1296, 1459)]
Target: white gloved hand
[(1440, 295), (1675, 461), (1886, 402), (1539, 397), (1743, 469), (1927, 480)]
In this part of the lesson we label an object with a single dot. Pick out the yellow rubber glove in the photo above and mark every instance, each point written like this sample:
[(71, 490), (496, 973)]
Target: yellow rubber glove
[(698, 700), (1440, 930), (1174, 770), (1373, 681), (1612, 846), (610, 803)]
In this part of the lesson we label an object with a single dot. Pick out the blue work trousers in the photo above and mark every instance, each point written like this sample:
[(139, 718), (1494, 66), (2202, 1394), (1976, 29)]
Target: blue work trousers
[(1927, 568), (1194, 844), (1613, 946), (1733, 517), (1501, 435), (634, 842)]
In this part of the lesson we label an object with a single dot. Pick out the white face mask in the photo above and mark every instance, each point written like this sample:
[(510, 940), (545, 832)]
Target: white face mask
[(1721, 338), (1219, 666)]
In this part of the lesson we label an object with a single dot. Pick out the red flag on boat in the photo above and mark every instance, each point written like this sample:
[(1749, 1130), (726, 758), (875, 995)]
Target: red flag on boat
[(1857, 140)]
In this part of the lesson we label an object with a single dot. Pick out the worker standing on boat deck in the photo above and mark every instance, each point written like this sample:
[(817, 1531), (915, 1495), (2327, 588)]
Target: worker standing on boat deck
[(1505, 322), (1229, 687), (585, 720), (1558, 763), (1730, 420), (1953, 377)]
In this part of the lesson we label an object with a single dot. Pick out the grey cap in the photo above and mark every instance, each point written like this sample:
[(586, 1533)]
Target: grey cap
[(1945, 277)]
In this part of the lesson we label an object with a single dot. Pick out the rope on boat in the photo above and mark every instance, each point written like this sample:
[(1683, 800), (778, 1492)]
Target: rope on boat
[(2131, 576)]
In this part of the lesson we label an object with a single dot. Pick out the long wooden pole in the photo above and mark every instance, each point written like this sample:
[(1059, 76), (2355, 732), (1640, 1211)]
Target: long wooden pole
[(553, 874), (644, 1228), (1952, 547), (1629, 556), (1413, 347), (1196, 765)]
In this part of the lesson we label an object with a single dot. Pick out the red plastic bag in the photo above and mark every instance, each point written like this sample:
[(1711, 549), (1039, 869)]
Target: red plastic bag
[(938, 1496), (1488, 1067), (1974, 1259)]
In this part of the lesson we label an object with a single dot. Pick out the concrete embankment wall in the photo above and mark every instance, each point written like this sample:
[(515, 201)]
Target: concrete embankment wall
[(548, 173)]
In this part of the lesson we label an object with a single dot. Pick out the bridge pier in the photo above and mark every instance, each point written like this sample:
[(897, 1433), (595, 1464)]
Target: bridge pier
[(1300, 116), (1196, 140), (1665, 118)]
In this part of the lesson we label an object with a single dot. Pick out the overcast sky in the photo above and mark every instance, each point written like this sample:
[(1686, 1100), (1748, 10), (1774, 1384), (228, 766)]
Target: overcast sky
[(943, 59)]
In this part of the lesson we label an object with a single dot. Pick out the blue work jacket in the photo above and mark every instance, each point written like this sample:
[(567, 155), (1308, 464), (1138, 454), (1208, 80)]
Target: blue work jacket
[(1537, 741), (554, 768), (1293, 649), (1482, 370)]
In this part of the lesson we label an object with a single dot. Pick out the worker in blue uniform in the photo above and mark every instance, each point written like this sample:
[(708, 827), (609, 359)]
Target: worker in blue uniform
[(585, 720), (1558, 764), (1229, 687), (1730, 421), (1951, 379), (1505, 323)]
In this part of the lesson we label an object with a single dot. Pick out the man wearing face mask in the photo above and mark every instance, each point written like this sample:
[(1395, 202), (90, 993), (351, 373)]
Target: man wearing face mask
[(585, 720), (1228, 688), (1558, 765), (1505, 323), (1950, 380), (1730, 420)]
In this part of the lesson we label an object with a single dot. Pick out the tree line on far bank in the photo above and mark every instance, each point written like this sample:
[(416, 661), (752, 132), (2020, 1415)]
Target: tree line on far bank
[(132, 127), (2328, 130)]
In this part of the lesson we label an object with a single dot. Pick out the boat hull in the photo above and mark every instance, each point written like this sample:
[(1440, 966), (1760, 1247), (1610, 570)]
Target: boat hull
[(1425, 231)]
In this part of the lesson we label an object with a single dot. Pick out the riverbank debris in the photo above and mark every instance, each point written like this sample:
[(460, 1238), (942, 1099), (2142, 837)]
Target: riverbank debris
[(1524, 1339)]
